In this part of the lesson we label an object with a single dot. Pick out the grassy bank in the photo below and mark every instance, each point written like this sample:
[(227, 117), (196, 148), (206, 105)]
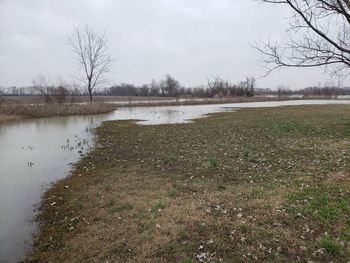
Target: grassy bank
[(13, 111), (257, 185), (6, 118)]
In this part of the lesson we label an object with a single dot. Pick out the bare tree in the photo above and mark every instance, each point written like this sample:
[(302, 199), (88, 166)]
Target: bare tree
[(319, 35), (249, 86), (43, 87), (52, 93), (169, 86), (90, 50)]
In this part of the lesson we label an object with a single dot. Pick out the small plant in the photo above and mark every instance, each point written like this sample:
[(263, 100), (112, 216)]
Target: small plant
[(330, 246), (173, 178), (172, 193), (157, 207), (213, 163), (244, 228)]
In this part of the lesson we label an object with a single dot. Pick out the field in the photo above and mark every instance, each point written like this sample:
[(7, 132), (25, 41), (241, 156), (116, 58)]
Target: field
[(256, 185)]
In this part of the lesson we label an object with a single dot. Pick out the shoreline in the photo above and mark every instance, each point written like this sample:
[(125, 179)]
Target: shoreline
[(167, 192), (7, 118), (12, 112), (19, 112)]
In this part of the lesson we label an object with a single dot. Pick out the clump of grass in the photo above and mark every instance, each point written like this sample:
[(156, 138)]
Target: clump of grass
[(172, 193), (244, 228), (213, 163), (330, 246), (114, 207), (173, 178), (158, 207)]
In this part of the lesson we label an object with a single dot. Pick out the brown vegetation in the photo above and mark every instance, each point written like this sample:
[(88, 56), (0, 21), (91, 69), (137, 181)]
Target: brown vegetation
[(49, 110)]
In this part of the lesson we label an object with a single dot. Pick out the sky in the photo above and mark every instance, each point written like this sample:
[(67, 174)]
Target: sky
[(192, 40)]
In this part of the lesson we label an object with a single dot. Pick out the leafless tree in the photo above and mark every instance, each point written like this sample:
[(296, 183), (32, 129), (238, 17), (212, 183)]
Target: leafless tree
[(169, 86), (319, 35), (90, 50), (52, 93), (43, 88)]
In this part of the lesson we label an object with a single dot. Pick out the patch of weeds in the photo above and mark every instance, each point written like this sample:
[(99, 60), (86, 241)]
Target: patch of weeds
[(330, 246), (169, 160), (213, 163), (243, 228), (173, 178), (172, 193), (142, 221), (256, 193), (158, 207)]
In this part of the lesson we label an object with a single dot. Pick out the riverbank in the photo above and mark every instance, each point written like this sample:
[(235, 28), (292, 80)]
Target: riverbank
[(254, 185), (17, 111), (6, 118)]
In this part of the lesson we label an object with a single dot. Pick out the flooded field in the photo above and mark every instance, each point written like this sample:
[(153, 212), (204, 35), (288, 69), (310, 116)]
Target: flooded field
[(37, 152)]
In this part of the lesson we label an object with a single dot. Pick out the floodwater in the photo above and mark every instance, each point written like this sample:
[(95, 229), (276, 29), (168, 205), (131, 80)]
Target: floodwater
[(35, 153)]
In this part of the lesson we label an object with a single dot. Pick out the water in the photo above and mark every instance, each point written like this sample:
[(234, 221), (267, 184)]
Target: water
[(37, 152)]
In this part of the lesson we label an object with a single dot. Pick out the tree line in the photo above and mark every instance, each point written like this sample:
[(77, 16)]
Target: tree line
[(63, 92)]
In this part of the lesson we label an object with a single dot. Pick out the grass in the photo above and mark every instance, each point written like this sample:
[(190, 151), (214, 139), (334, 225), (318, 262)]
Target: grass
[(330, 246), (244, 228), (6, 118), (257, 185), (187, 260), (326, 202), (49, 110), (114, 207)]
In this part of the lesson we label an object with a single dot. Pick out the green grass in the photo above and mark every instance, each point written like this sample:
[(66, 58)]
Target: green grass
[(330, 246), (243, 228), (213, 163), (326, 202), (172, 193), (158, 207)]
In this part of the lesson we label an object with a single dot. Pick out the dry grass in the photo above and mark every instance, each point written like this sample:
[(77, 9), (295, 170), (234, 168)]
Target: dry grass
[(6, 118), (258, 185), (49, 110)]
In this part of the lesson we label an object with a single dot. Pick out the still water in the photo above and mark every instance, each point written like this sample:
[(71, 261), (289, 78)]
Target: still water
[(35, 153)]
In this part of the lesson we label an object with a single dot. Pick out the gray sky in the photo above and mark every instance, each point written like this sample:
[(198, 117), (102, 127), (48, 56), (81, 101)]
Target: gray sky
[(190, 39)]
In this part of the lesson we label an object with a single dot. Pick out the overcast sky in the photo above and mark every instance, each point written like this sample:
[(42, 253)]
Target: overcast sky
[(190, 39)]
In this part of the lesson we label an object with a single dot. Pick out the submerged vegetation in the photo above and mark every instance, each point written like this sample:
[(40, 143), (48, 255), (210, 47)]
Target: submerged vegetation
[(257, 185)]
